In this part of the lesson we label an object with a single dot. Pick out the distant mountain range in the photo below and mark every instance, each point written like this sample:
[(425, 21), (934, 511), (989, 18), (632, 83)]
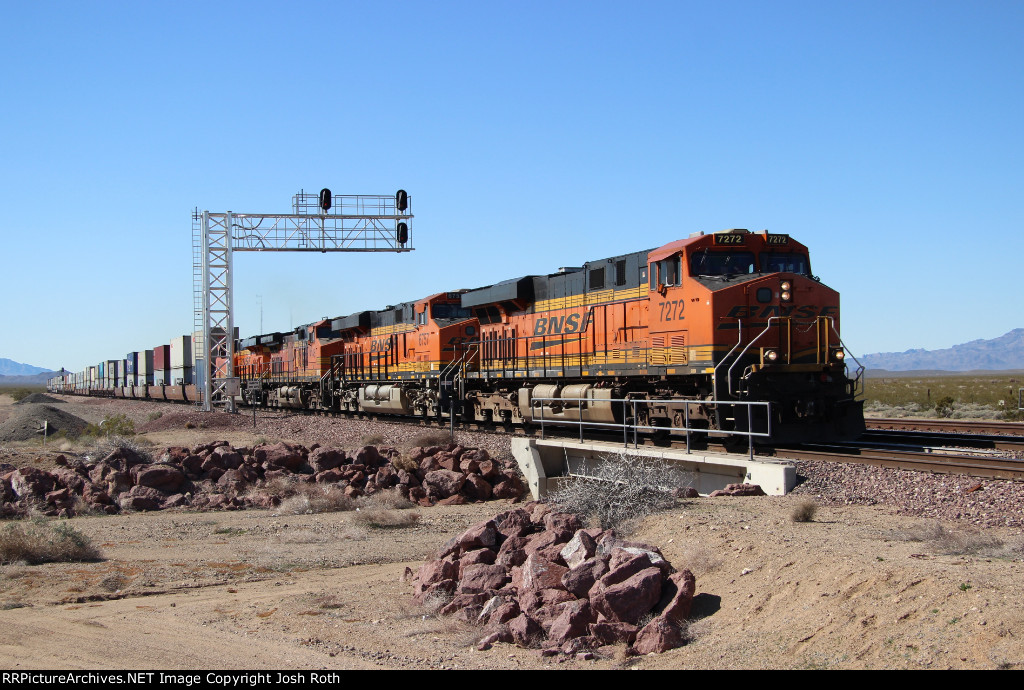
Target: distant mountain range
[(17, 374), (8, 367), (1004, 352)]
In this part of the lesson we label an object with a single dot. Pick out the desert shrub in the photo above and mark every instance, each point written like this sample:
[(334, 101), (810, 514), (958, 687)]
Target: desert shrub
[(112, 425), (944, 406), (389, 499), (107, 445), (429, 439), (961, 542), (372, 440), (39, 541), (306, 499), (620, 489), (152, 416), (1012, 415), (404, 462), (18, 394), (385, 518), (804, 511)]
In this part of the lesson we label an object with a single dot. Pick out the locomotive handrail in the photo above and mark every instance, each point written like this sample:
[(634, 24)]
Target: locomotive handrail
[(860, 367), (538, 403), (749, 345), (739, 341)]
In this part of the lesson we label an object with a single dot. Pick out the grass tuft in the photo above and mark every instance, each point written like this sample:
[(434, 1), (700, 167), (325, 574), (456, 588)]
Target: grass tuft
[(961, 542), (39, 541), (383, 518), (804, 511)]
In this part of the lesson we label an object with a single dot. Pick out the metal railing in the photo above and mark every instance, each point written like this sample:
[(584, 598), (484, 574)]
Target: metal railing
[(627, 404)]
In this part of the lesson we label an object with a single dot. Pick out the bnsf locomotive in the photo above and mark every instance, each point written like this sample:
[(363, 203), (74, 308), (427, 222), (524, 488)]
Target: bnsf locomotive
[(680, 331)]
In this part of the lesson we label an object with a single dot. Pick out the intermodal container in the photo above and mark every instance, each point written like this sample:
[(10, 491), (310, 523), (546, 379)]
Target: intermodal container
[(181, 352)]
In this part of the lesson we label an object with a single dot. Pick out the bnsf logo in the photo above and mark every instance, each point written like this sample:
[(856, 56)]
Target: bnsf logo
[(573, 323)]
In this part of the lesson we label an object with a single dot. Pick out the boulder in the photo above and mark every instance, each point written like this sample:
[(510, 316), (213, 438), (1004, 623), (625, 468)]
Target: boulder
[(581, 579), (444, 483), (29, 482), (280, 455), (161, 477), (660, 635), (628, 601), (538, 573), (525, 631), (141, 498), (572, 622), (323, 459), (581, 547), (483, 578)]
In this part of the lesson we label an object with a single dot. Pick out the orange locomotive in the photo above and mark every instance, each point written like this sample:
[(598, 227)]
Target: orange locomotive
[(717, 318)]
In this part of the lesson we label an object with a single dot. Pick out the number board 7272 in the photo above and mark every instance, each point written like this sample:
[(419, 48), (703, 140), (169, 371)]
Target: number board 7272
[(729, 238)]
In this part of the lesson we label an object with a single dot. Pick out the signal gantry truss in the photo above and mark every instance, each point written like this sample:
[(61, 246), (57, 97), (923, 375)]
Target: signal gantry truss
[(358, 223)]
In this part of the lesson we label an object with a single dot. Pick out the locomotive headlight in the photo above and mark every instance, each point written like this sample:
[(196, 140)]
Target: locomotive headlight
[(786, 286), (838, 355), (771, 355), (786, 296)]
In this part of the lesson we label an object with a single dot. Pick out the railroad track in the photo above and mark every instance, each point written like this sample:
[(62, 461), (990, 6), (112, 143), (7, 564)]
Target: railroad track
[(958, 426), (934, 442), (976, 465)]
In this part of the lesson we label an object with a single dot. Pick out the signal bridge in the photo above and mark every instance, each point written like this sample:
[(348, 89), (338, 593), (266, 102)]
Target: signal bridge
[(322, 222)]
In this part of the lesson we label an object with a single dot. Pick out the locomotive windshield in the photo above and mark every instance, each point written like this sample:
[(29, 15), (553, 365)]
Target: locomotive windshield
[(708, 263), (785, 262), (450, 311)]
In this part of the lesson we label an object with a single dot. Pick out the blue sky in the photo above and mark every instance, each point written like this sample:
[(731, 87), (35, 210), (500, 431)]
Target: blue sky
[(885, 136)]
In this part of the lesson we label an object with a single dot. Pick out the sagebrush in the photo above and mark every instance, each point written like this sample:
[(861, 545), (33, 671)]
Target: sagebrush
[(39, 541), (804, 511), (112, 425), (620, 489)]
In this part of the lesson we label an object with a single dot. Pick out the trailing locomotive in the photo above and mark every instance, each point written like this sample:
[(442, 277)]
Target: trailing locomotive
[(684, 331)]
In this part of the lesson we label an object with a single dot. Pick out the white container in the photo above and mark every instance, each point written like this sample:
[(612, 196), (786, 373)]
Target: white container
[(181, 352)]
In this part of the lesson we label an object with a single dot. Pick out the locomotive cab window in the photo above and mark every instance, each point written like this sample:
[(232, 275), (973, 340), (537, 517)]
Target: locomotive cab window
[(708, 263), (785, 262), (666, 272), (450, 311)]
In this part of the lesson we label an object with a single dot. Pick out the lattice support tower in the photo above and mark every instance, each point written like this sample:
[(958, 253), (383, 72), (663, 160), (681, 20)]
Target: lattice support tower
[(360, 223)]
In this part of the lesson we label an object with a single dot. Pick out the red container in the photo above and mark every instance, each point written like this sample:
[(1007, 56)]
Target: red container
[(162, 357)]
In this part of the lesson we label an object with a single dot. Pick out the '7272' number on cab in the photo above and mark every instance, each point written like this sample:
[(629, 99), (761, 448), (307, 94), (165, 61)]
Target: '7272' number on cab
[(672, 310)]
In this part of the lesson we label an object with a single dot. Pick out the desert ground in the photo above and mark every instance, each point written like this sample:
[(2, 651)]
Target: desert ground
[(857, 587)]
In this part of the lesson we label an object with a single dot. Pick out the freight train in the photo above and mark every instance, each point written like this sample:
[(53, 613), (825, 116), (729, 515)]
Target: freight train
[(684, 335)]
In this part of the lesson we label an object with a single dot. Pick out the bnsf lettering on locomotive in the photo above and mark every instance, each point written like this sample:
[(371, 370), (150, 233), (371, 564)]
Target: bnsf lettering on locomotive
[(561, 324)]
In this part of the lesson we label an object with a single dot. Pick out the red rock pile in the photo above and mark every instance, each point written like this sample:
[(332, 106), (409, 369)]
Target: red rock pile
[(739, 490), (534, 577), (218, 476)]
